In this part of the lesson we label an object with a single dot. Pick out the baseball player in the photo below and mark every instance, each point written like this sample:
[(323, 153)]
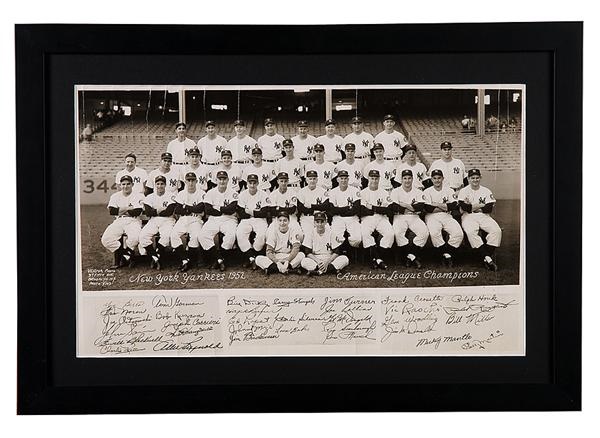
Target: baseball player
[(126, 205), (220, 206), (284, 198), (453, 169), (407, 203), (332, 142), (180, 146), (241, 144), (271, 142), (137, 174), (352, 166), (264, 171), (345, 208), (253, 212), (439, 202), (189, 208), (311, 199), (291, 165), (203, 173), (325, 169), (385, 168), (323, 249), (392, 140), (304, 143), (170, 173), (234, 172), (211, 146), (374, 208), (477, 203), (159, 207), (283, 247), (362, 140), (410, 162)]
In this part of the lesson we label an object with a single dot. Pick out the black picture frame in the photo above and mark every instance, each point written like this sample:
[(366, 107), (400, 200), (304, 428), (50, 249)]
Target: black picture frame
[(52, 381)]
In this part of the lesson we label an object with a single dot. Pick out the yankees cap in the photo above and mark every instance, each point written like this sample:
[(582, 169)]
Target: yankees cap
[(194, 151), (374, 172), (282, 175), (210, 123), (178, 124), (409, 147), (257, 151), (342, 173), (303, 123), (222, 174), (190, 175), (283, 213), (269, 121), (312, 174), (320, 216), (407, 172), (226, 152), (388, 117), (474, 172), (287, 142), (377, 146), (446, 145), (239, 122), (166, 156), (356, 120), (319, 147), (159, 178), (126, 178), (252, 177), (329, 122), (437, 172), (350, 147)]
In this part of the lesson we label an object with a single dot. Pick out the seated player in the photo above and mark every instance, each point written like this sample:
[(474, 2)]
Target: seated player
[(345, 208), (440, 201), (407, 203), (159, 207), (126, 205), (283, 198), (252, 211), (311, 199), (322, 249), (374, 209), (477, 203), (283, 247)]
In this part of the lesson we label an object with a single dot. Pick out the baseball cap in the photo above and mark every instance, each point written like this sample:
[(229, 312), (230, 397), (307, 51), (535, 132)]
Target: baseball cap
[(252, 177), (319, 147), (474, 172), (239, 122), (342, 173), (222, 174), (257, 151), (388, 117), (320, 216), (178, 124), (437, 172), (377, 146), (329, 122), (282, 175), (303, 123), (407, 172), (446, 145), (283, 213), (409, 147), (190, 175), (312, 174), (269, 121), (209, 123), (226, 152), (159, 178), (194, 151), (288, 142), (374, 172), (126, 178), (356, 120), (350, 147), (166, 156)]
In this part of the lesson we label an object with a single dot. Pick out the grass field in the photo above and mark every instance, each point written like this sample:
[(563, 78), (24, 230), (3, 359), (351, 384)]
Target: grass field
[(95, 260)]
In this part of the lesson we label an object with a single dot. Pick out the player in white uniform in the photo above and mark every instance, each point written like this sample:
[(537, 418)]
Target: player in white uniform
[(241, 144), (159, 206), (410, 162), (439, 202), (190, 209), (323, 249), (137, 174), (304, 143), (203, 173), (345, 208), (386, 168), (180, 146), (291, 165), (311, 199), (271, 143), (374, 209), (407, 203), (283, 247), (361, 139), (284, 198), (211, 146), (220, 206), (264, 171), (171, 174), (332, 142), (477, 202), (325, 169), (234, 171), (253, 211), (392, 140), (352, 166), (453, 169), (126, 205)]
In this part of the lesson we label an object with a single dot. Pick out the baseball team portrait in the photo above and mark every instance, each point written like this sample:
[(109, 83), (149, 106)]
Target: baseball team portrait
[(299, 187)]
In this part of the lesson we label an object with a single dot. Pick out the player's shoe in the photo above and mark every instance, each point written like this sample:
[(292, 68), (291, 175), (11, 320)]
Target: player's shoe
[(448, 262), (185, 265), (215, 265), (491, 266), (117, 261), (381, 265), (374, 264), (297, 271), (221, 265), (253, 266), (416, 263), (247, 264)]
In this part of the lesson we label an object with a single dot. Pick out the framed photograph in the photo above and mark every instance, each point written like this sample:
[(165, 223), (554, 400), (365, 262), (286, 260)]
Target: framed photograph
[(235, 226)]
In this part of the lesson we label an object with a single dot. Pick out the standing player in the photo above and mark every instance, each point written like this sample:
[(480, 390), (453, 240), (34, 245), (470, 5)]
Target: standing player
[(345, 208), (453, 169), (271, 142), (325, 169), (220, 205), (392, 140), (180, 146), (202, 172), (137, 174), (418, 170), (172, 175), (211, 146), (304, 143), (385, 168), (126, 205), (159, 207), (284, 198), (374, 209), (352, 166), (233, 171), (439, 202), (332, 142), (241, 144), (189, 208), (362, 140), (283, 247), (323, 249), (291, 165), (407, 203), (253, 212), (311, 199), (258, 167), (477, 203)]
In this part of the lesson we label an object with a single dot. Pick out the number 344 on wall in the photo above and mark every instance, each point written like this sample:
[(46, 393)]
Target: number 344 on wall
[(91, 186)]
